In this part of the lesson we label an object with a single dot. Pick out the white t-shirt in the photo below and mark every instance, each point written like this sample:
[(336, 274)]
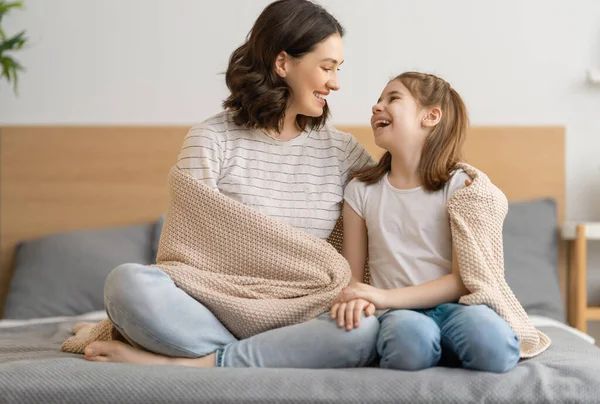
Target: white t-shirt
[(299, 181), (409, 230)]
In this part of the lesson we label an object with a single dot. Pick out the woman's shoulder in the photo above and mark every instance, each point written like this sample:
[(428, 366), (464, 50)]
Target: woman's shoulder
[(219, 122), (345, 144), (217, 126), (332, 134)]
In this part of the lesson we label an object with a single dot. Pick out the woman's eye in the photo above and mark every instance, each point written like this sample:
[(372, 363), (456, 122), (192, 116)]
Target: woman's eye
[(327, 70)]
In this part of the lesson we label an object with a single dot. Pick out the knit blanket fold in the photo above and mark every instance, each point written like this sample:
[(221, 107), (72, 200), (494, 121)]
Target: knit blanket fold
[(252, 272), (255, 273), (477, 214)]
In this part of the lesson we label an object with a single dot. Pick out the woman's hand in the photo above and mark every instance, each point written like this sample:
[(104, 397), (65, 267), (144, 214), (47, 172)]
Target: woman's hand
[(348, 313), (379, 297)]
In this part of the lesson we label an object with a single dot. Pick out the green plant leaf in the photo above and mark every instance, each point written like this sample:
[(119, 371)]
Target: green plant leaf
[(13, 43), (5, 7), (5, 62), (10, 67), (16, 77)]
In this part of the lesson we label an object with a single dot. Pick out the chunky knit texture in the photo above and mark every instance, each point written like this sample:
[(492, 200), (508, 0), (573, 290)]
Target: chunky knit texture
[(255, 273), (477, 214)]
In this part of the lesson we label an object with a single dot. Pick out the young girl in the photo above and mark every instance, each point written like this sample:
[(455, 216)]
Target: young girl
[(421, 121)]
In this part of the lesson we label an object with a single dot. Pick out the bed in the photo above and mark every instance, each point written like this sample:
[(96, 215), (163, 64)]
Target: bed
[(77, 201)]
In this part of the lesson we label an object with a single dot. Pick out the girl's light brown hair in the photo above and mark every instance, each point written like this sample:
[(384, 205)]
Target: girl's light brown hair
[(443, 146)]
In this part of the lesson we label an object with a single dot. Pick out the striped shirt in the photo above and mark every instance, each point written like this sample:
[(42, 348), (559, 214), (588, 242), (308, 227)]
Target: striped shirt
[(299, 181)]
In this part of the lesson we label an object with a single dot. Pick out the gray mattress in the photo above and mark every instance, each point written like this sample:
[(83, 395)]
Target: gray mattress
[(33, 370)]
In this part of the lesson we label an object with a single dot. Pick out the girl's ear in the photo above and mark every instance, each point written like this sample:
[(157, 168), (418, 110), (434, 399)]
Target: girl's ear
[(432, 118), (282, 64)]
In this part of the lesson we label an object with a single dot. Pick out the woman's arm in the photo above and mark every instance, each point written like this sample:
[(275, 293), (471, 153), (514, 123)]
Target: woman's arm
[(354, 247), (201, 155)]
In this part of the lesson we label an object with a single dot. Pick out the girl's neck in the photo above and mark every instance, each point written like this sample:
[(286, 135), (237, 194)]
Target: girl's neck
[(404, 173)]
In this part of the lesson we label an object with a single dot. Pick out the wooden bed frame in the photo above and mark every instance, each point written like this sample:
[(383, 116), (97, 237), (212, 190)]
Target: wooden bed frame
[(55, 179)]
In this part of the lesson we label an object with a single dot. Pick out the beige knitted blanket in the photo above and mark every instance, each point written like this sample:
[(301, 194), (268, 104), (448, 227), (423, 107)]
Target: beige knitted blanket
[(255, 273), (252, 272), (477, 214)]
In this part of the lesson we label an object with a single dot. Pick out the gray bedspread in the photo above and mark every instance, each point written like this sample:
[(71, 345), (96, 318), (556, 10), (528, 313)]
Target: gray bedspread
[(33, 370)]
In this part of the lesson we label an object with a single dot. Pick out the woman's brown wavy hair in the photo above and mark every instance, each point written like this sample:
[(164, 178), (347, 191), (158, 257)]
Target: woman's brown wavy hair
[(259, 97), (443, 147)]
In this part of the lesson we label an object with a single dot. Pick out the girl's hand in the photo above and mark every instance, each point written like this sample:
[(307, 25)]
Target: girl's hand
[(348, 313), (379, 297)]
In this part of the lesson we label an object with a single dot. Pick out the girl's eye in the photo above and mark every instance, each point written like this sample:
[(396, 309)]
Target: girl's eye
[(327, 70), (393, 98)]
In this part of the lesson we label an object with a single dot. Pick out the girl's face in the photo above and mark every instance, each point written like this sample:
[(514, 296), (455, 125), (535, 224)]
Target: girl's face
[(397, 119), (312, 76)]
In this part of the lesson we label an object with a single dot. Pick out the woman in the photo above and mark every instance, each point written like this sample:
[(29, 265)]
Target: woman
[(271, 150)]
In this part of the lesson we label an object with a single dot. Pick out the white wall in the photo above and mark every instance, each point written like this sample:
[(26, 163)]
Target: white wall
[(157, 62)]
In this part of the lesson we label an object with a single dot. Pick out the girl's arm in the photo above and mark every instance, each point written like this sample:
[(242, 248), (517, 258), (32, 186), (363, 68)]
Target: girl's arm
[(447, 289), (354, 247)]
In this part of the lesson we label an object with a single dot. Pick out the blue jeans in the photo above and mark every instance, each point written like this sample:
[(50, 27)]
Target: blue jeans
[(471, 337), (150, 311)]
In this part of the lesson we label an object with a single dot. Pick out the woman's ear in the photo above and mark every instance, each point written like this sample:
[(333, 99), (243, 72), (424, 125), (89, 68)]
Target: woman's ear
[(432, 118), (282, 64)]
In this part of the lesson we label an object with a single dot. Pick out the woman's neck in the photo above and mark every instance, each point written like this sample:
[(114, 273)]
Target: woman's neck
[(289, 129), (404, 173)]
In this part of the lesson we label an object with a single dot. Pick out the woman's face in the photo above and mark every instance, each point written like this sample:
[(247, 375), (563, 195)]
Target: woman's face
[(313, 76)]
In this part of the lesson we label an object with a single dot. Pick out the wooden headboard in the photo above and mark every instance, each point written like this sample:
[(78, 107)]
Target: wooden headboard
[(55, 179)]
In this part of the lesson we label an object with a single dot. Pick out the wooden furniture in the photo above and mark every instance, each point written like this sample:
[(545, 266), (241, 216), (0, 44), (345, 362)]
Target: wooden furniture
[(55, 179), (577, 235)]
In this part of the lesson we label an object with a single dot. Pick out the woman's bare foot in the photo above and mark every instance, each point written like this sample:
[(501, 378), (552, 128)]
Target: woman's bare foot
[(116, 351)]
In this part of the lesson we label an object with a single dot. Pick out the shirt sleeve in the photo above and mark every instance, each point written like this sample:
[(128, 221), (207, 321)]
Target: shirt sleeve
[(201, 156), (457, 181), (356, 157), (354, 194)]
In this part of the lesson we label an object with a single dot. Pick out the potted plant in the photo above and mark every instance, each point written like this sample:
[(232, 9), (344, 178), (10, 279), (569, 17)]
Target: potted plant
[(10, 67)]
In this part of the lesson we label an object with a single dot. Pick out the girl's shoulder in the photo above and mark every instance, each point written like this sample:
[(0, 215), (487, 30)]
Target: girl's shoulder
[(458, 180)]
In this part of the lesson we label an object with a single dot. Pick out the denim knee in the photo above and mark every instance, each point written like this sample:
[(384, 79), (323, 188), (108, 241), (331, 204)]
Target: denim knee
[(489, 344), (358, 344), (488, 357), (121, 285), (128, 302), (408, 341)]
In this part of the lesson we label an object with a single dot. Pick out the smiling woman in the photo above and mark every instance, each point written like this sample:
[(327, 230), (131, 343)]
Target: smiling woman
[(280, 76), (272, 150)]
